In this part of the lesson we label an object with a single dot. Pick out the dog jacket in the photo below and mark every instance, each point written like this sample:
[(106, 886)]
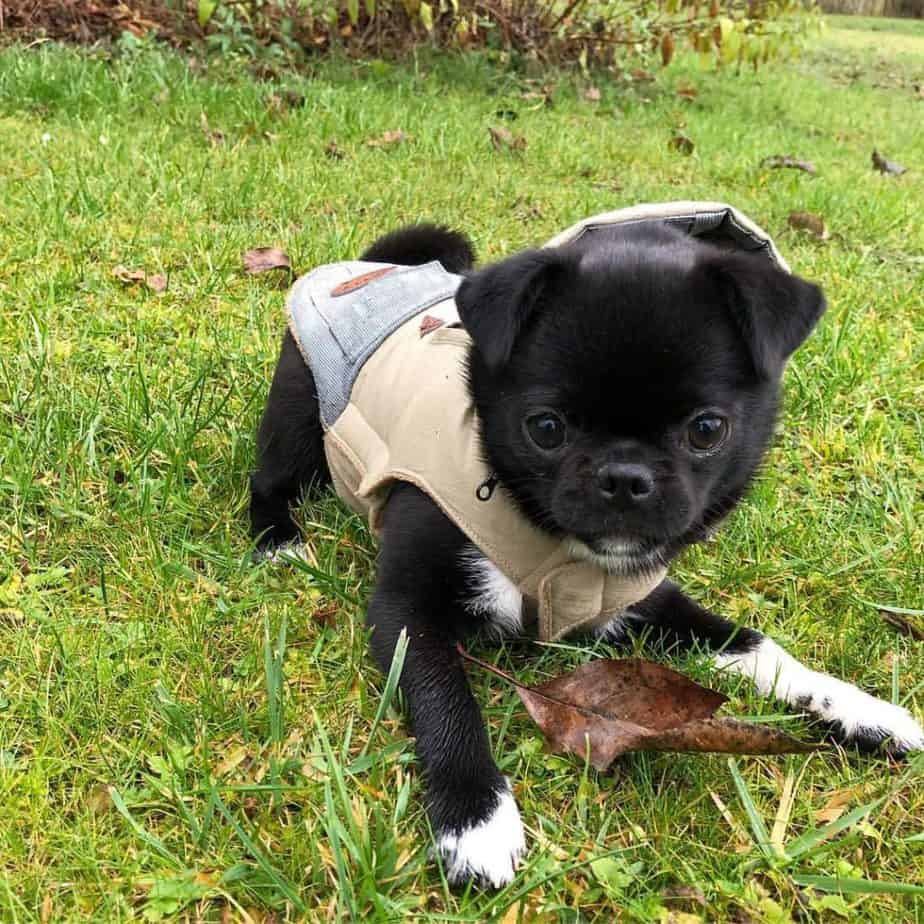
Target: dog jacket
[(388, 352)]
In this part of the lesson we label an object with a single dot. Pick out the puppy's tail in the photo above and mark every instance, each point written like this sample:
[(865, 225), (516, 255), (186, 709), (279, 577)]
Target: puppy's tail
[(418, 244)]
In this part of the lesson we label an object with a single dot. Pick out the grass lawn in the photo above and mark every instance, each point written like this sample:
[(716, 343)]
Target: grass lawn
[(183, 733)]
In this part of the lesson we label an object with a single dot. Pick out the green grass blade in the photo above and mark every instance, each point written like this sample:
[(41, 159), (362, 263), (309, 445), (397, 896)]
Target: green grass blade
[(152, 841), (391, 686), (759, 830), (857, 886), (277, 878), (805, 843)]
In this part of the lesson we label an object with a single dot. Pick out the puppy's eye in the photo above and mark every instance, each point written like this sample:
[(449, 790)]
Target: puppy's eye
[(706, 432), (547, 430)]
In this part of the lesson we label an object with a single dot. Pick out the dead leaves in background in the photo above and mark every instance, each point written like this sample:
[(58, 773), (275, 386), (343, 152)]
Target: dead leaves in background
[(156, 282), (503, 138), (389, 139), (213, 136), (682, 144), (887, 167), (809, 223), (779, 161), (607, 708), (264, 259)]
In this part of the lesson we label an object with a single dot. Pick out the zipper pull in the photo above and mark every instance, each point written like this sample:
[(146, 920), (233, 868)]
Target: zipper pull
[(486, 488)]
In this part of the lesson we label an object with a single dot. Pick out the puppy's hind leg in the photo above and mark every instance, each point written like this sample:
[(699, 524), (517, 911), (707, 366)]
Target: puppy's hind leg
[(290, 445)]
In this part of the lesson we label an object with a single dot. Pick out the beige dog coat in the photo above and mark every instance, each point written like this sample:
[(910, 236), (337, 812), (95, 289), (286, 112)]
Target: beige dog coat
[(388, 353)]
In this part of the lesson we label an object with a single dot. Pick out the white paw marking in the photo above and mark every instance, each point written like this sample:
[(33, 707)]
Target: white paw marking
[(496, 597), (489, 851), (777, 673), (282, 554)]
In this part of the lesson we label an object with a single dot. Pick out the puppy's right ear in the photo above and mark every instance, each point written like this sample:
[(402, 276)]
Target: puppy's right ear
[(497, 303)]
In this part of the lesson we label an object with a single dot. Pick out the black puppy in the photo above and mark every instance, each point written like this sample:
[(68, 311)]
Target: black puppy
[(626, 387)]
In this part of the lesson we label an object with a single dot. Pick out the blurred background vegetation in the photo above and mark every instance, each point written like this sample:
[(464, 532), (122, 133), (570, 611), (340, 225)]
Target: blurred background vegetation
[(526, 34)]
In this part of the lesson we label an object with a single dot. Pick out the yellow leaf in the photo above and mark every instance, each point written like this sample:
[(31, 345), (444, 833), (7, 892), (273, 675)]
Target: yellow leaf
[(426, 15)]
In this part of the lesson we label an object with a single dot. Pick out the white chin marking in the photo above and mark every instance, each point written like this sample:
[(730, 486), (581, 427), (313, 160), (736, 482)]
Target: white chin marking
[(489, 851), (495, 596), (859, 715), (618, 556)]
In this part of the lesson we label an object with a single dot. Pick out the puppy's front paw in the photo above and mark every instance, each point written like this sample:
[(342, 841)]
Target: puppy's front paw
[(487, 851), (869, 723), (281, 554)]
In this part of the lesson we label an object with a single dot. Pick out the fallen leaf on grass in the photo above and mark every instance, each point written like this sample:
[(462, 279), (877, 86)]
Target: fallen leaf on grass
[(99, 801), (687, 92), (545, 95), (809, 223), (156, 282), (682, 144), (389, 138), (592, 94), (667, 49), (264, 259), (897, 618), (888, 167), (779, 161), (613, 707), (288, 99), (213, 136), (502, 138), (837, 804)]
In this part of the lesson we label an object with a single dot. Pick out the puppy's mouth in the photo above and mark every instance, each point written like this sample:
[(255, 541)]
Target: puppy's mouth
[(628, 557)]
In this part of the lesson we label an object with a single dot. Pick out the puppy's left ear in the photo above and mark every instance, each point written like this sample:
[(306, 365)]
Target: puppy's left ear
[(497, 303), (773, 310)]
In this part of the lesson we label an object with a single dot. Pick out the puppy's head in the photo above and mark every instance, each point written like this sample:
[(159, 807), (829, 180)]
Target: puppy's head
[(626, 387)]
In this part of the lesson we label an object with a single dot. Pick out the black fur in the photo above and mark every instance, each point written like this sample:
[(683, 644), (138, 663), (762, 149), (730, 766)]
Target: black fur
[(628, 337)]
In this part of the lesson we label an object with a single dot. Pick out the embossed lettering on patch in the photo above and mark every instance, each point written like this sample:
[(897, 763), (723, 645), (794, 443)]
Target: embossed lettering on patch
[(428, 324), (357, 282)]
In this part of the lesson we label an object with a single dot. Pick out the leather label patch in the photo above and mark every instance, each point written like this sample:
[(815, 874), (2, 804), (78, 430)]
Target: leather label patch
[(357, 282), (429, 324)]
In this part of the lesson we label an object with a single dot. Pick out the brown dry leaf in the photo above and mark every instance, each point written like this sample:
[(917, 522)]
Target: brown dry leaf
[(902, 625), (778, 161), (888, 167), (613, 707), (593, 94), (682, 144), (232, 760), (334, 151), (99, 800), (48, 906), (684, 895), (667, 48), (687, 92), (325, 616), (642, 76), (837, 804), (264, 259), (213, 136), (389, 138), (156, 282), (810, 223), (503, 138)]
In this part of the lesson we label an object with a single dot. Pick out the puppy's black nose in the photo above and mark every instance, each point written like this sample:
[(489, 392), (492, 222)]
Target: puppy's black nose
[(625, 481)]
